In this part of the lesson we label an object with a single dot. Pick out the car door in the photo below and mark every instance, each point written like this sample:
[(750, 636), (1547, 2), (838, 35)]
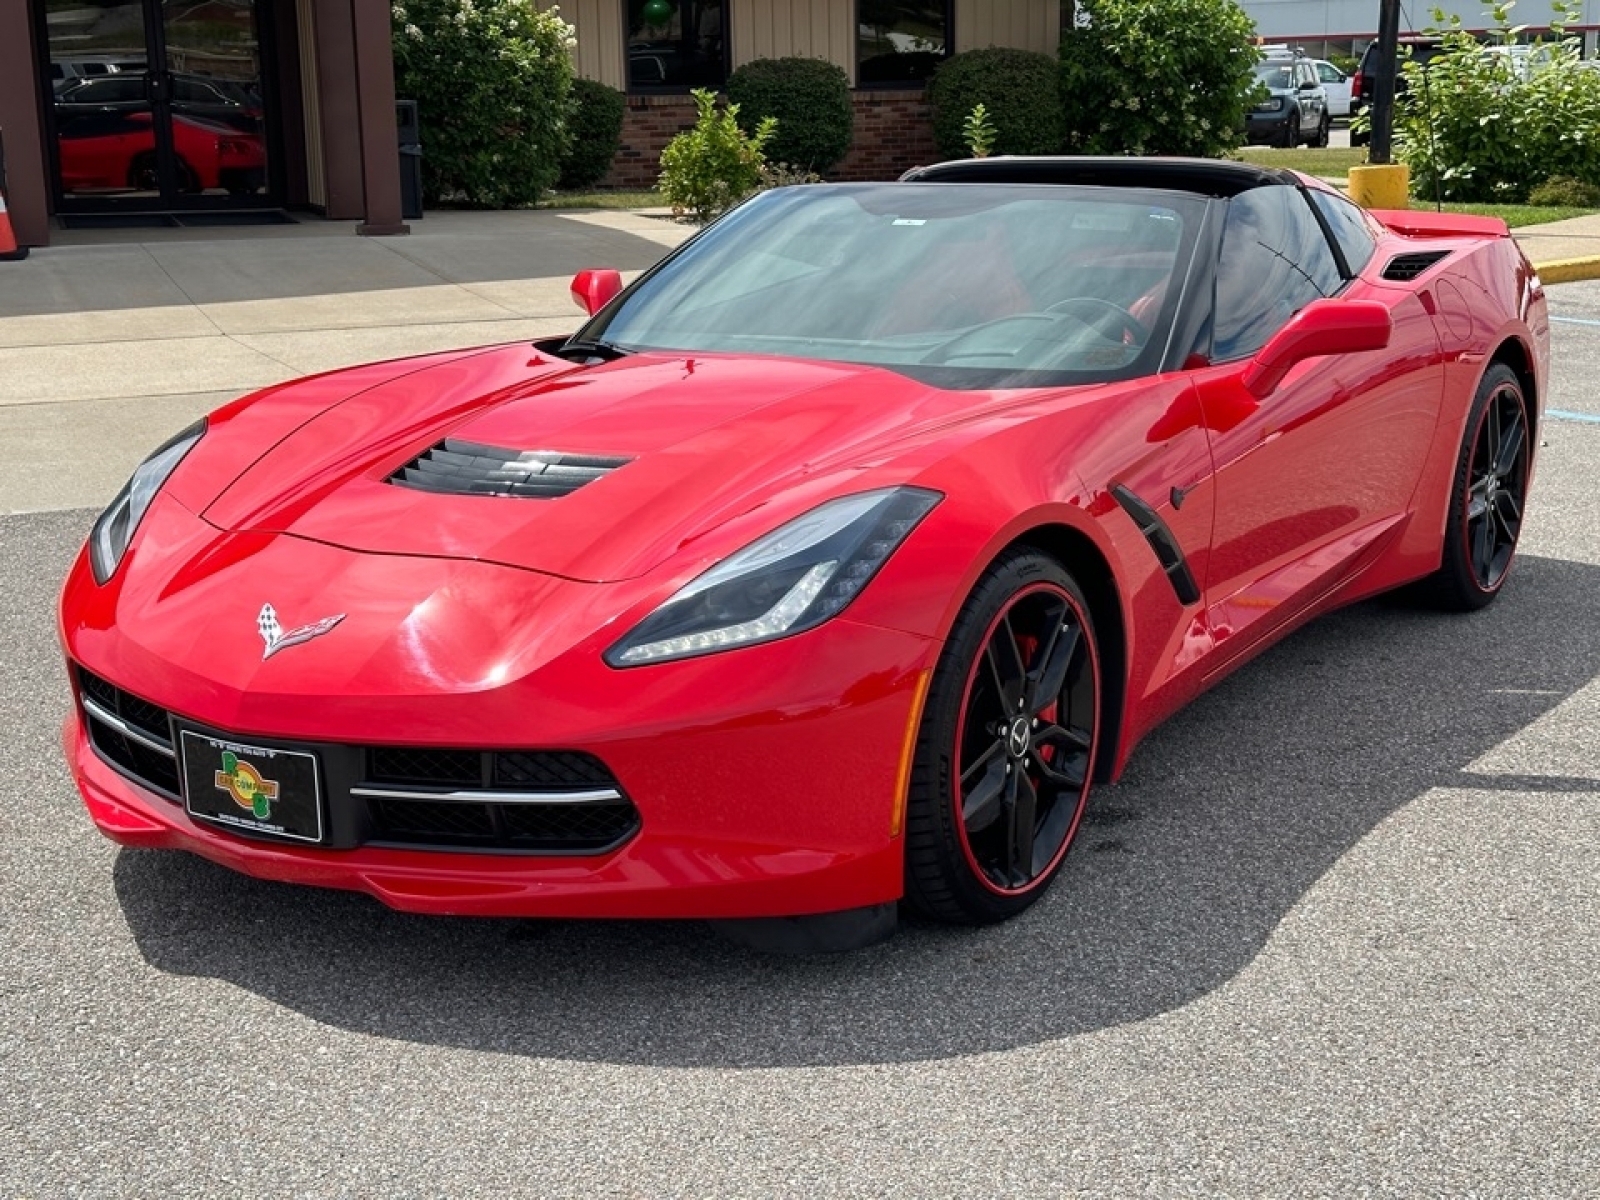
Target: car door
[(1314, 479), (1313, 100), (1337, 86)]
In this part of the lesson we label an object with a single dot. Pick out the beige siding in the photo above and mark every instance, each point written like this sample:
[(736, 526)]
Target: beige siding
[(1023, 24), (781, 28), (601, 52)]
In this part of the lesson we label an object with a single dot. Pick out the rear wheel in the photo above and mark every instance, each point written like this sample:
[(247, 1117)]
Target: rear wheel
[(1487, 498), (1007, 747)]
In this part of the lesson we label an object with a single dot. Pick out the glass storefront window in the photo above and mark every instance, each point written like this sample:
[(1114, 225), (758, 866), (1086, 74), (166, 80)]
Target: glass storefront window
[(900, 41), (675, 45)]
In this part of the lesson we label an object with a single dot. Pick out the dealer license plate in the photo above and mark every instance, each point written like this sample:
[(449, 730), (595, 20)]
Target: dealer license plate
[(252, 788)]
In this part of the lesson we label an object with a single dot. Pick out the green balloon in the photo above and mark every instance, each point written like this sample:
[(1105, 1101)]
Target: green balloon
[(658, 12)]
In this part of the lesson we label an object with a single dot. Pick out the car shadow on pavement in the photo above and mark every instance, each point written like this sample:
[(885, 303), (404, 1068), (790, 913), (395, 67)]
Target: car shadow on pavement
[(1228, 815)]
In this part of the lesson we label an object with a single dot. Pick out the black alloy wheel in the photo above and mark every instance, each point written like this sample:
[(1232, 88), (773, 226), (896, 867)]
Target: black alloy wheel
[(1488, 497), (1007, 749), (1319, 140), (1291, 131)]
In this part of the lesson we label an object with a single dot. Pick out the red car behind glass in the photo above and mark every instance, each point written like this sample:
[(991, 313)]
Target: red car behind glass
[(117, 150)]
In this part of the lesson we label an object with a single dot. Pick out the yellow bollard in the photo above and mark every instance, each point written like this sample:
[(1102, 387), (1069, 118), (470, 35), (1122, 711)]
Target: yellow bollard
[(1380, 187)]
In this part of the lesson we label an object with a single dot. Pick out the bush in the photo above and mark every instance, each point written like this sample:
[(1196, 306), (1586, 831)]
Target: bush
[(809, 98), (1017, 89), (1563, 191), (594, 121), (490, 78), (708, 169), (1484, 124), (1168, 78)]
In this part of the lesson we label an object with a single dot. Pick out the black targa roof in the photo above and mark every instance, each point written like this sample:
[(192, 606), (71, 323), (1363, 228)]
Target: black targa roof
[(1202, 176)]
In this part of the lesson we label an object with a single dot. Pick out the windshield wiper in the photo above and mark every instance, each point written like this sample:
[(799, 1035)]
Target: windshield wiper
[(589, 349)]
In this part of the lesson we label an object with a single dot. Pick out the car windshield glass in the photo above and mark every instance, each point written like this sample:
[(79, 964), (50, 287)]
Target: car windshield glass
[(1275, 75), (965, 285)]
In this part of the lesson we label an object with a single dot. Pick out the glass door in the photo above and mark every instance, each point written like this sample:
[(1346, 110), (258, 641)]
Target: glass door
[(157, 105)]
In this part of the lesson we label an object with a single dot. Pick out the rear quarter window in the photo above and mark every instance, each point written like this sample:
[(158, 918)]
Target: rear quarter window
[(1351, 228)]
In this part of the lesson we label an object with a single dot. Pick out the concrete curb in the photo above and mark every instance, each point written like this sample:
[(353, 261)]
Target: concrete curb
[(1569, 270)]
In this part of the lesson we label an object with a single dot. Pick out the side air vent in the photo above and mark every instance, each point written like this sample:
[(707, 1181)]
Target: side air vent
[(1405, 267), (467, 469)]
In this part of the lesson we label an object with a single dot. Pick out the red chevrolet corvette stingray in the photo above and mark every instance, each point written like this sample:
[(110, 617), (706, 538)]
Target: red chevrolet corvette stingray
[(825, 568)]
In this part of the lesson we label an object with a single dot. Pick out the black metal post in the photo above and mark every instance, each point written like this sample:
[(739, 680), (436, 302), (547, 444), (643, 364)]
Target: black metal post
[(1383, 83)]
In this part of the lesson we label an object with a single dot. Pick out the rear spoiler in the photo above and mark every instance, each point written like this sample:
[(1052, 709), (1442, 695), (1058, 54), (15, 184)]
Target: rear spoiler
[(1422, 223)]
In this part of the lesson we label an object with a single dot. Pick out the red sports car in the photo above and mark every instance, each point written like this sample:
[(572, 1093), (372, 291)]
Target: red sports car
[(117, 150), (825, 568)]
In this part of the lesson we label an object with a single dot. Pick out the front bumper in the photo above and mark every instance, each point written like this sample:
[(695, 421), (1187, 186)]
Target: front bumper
[(768, 781), (1266, 127)]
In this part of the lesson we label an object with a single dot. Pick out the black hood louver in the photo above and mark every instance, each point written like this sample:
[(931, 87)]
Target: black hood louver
[(460, 468), (1403, 268)]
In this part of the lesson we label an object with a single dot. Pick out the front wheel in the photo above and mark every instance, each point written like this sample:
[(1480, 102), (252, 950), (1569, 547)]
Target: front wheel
[(1007, 747), (1487, 498), (1291, 132), (1319, 140)]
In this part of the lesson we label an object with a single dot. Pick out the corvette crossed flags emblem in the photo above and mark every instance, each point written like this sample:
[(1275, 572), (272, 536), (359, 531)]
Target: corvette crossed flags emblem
[(276, 639)]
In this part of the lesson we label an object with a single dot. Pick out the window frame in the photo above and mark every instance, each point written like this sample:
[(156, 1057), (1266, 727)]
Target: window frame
[(1335, 252), (673, 89), (898, 85)]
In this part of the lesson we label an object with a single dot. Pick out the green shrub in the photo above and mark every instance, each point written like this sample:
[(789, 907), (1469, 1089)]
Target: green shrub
[(978, 132), (1168, 78), (1017, 89), (594, 120), (490, 78), (708, 169), (810, 100), (1563, 191), (1483, 125)]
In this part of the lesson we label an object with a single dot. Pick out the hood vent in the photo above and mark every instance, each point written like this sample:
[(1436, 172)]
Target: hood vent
[(1405, 267), (460, 468)]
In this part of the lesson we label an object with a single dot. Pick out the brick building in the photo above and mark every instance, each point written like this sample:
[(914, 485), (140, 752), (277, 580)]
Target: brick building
[(225, 111), (656, 50)]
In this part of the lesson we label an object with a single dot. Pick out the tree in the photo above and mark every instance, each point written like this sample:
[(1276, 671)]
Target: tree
[(1148, 77), (491, 79)]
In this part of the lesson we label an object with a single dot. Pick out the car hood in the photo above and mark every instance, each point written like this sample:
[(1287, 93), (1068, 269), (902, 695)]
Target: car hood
[(702, 438)]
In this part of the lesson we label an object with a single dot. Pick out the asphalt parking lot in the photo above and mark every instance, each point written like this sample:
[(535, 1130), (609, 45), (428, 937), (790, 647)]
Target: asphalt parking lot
[(1337, 932)]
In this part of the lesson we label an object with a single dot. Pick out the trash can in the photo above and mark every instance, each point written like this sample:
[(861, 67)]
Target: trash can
[(405, 116)]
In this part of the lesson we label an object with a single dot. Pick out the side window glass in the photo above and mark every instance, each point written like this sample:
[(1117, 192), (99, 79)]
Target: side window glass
[(1349, 227), (1275, 261)]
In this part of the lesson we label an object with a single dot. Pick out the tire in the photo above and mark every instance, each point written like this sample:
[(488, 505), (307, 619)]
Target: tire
[(1319, 140), (1291, 133), (142, 176), (1487, 497), (1022, 727)]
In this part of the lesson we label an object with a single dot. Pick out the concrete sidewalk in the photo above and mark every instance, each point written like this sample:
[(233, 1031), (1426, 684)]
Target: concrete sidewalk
[(108, 345)]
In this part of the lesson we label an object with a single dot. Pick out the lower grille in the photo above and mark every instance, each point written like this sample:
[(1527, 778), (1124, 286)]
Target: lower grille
[(422, 797), (132, 734), (553, 828)]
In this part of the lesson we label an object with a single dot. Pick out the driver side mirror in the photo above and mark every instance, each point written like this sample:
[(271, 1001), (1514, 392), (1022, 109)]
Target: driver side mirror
[(1321, 327), (592, 290)]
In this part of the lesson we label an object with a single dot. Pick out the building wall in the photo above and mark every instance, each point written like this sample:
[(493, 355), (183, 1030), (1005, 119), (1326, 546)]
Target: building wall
[(1359, 18), (602, 41), (1021, 24), (804, 28), (27, 193)]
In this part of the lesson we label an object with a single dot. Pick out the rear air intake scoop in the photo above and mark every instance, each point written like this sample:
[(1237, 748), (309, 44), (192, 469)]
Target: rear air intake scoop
[(462, 468)]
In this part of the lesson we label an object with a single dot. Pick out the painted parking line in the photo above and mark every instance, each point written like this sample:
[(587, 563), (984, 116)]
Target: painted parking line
[(1562, 414), (1574, 321)]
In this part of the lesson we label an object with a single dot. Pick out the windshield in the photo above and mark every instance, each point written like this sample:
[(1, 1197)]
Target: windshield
[(962, 285), (1275, 75)]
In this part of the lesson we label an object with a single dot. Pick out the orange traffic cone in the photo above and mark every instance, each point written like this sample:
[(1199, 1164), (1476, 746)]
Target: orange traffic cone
[(9, 250)]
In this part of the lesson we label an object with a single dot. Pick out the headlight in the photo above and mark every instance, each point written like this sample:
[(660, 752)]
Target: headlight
[(109, 538), (1274, 104), (793, 579)]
